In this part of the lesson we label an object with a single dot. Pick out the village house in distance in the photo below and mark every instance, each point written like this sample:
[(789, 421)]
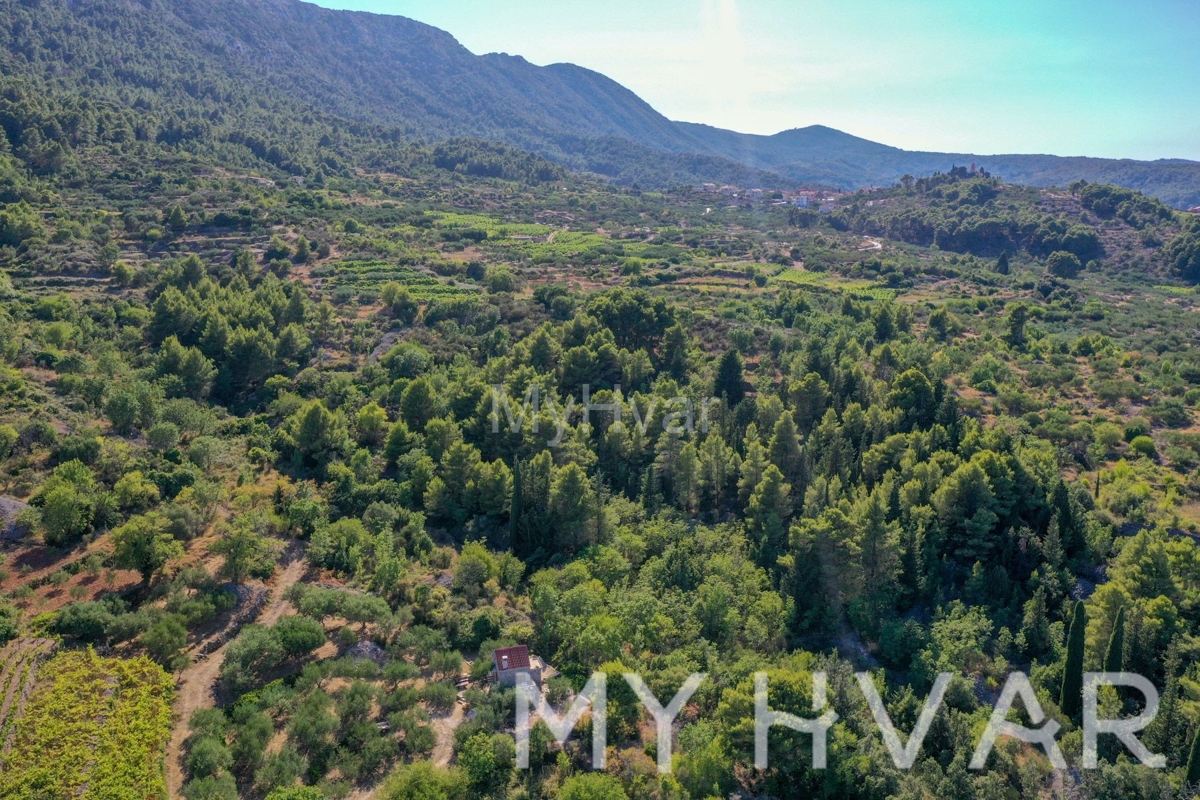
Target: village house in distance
[(509, 662)]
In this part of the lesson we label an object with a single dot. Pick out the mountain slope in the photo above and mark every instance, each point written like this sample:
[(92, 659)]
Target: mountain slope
[(365, 67), (226, 69)]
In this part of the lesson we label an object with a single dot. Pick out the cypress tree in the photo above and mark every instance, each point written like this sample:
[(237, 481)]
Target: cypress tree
[(514, 509), (1017, 318), (1002, 263), (1193, 762), (1114, 656), (1168, 733), (1071, 698), (1071, 528)]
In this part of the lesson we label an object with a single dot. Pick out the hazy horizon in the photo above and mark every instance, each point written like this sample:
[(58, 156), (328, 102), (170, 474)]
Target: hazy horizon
[(1099, 79)]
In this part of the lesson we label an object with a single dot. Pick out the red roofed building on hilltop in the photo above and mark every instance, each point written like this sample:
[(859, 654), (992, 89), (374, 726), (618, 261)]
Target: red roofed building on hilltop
[(509, 662)]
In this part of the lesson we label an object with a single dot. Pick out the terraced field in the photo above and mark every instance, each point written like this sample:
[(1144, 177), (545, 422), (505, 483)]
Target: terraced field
[(834, 283), (495, 229), (371, 275)]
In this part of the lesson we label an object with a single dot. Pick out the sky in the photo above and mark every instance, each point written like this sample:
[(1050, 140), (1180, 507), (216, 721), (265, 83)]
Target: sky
[(1068, 77)]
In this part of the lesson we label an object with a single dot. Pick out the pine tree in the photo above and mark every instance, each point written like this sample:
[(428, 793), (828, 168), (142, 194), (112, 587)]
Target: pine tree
[(729, 383), (297, 307), (784, 450), (177, 219), (1071, 698), (572, 509), (1114, 656), (651, 495), (674, 352), (718, 464), (768, 513), (687, 479), (949, 417), (191, 271), (753, 465), (535, 522), (939, 323), (879, 551), (303, 250)]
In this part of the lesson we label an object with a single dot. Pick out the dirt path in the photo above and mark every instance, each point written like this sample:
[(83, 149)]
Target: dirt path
[(445, 727), (364, 794), (278, 606), (197, 683)]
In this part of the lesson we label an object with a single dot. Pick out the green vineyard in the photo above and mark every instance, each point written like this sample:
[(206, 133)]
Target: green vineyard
[(93, 728), (371, 275), (834, 283), (18, 668)]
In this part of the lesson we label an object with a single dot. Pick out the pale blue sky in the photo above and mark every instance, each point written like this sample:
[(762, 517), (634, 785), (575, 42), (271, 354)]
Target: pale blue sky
[(1070, 77)]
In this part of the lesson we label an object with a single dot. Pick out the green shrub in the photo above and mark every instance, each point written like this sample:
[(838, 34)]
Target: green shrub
[(1144, 446)]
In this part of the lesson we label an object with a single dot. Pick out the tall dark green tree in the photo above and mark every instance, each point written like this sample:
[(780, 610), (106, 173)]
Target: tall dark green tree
[(1016, 325), (1069, 526), (784, 450), (1192, 776), (674, 356), (514, 508), (303, 251), (730, 381), (914, 395), (1114, 656), (1002, 263), (1168, 732), (177, 218), (1070, 700)]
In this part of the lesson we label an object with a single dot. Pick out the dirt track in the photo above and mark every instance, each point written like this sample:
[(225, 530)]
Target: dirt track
[(197, 684), (445, 726)]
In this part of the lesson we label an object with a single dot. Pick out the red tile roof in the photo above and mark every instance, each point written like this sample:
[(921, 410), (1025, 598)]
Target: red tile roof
[(518, 657)]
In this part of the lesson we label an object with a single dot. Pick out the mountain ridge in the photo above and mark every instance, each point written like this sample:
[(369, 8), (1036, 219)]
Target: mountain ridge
[(246, 64)]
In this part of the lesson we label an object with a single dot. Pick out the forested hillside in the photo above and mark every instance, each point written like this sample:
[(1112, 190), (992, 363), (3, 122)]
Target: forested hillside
[(252, 445)]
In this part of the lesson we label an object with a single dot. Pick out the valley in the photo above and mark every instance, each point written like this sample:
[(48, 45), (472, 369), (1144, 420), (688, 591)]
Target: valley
[(268, 534)]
